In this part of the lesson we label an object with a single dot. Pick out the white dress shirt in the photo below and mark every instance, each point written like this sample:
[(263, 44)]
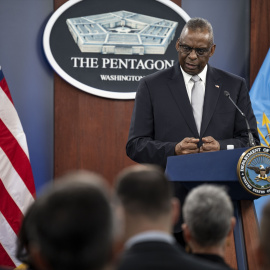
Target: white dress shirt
[(189, 83), (150, 236)]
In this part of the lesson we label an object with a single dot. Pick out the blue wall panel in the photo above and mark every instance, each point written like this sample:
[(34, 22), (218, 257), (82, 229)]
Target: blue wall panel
[(29, 77)]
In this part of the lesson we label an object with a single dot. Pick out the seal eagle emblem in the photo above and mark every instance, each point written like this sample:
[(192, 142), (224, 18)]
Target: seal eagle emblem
[(262, 172)]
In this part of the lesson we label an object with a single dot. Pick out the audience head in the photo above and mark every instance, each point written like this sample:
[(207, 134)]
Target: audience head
[(263, 252), (208, 217), (69, 226), (145, 193)]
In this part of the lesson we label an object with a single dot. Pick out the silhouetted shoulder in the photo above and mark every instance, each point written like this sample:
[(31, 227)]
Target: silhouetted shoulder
[(161, 256)]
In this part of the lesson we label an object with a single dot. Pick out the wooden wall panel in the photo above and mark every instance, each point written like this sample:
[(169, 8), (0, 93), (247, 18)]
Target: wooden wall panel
[(259, 35), (230, 253), (90, 132), (251, 233)]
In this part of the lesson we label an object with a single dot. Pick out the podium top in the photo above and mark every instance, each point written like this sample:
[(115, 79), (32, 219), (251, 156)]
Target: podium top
[(210, 167), (214, 168)]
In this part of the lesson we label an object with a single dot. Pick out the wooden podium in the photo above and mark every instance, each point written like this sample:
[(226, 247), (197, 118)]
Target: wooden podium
[(220, 168)]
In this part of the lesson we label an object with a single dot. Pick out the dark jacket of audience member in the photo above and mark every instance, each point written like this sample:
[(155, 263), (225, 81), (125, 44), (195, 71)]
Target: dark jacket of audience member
[(150, 211)]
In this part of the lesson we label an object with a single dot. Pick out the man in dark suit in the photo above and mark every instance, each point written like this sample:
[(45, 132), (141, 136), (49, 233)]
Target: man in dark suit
[(165, 122), (208, 221), (150, 210)]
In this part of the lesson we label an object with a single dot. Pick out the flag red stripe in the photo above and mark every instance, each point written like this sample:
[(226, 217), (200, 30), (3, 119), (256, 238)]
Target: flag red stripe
[(11, 213), (4, 86), (9, 209), (4, 258), (17, 157)]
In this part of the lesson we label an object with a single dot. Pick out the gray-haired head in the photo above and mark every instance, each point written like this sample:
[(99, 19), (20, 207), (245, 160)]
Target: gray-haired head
[(201, 25), (207, 211)]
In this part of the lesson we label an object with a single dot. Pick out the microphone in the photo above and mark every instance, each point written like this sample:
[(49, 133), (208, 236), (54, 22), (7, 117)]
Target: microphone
[(250, 136)]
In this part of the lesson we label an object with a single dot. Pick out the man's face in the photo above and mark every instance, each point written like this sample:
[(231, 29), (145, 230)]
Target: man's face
[(191, 62)]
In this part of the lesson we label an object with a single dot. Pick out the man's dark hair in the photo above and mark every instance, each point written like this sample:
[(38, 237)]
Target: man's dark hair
[(144, 190), (71, 224), (200, 24)]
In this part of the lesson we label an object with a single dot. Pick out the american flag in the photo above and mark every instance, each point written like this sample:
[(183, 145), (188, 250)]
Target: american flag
[(17, 188)]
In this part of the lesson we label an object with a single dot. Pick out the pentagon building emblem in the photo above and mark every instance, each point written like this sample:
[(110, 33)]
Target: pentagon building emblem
[(106, 47), (253, 170), (122, 32)]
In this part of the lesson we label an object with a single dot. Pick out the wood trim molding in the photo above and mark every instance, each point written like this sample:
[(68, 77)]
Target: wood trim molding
[(259, 35)]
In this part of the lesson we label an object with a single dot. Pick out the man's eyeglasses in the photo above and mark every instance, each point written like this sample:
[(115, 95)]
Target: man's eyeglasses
[(199, 51)]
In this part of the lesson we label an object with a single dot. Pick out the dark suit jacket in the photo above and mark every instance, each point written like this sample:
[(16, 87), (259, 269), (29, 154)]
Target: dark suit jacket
[(162, 114), (158, 255), (214, 258)]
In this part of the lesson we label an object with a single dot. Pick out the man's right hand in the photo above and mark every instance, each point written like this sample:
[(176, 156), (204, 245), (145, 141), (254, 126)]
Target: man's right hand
[(187, 146)]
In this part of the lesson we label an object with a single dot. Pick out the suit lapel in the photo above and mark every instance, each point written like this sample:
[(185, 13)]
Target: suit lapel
[(212, 91), (179, 93)]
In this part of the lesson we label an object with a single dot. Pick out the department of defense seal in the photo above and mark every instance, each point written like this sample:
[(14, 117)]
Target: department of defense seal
[(253, 170)]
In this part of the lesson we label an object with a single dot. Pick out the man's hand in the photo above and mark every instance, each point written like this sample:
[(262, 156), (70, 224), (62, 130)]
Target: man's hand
[(209, 145), (187, 146)]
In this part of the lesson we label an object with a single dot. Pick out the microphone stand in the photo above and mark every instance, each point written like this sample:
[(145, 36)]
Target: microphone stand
[(250, 136)]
